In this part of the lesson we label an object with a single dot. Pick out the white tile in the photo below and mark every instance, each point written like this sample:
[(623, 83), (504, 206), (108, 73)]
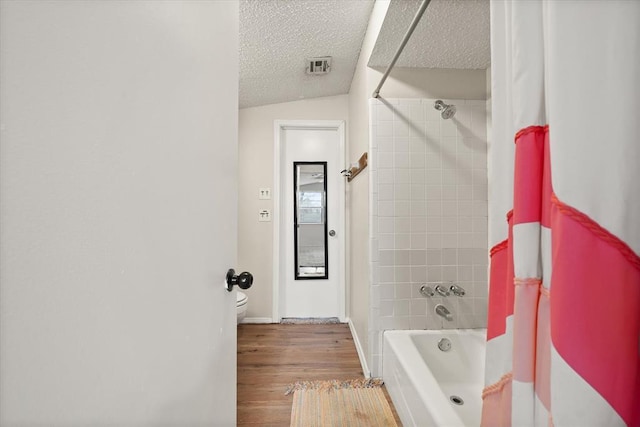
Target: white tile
[(419, 307), (418, 208), (416, 113), (402, 257), (433, 176), (401, 160), (433, 162), (401, 308), (402, 208), (384, 113), (465, 256), (464, 192), (479, 208), (386, 176), (386, 241), (480, 240), (418, 274), (449, 208), (385, 129), (434, 273), (480, 192), (465, 273), (385, 192), (386, 225), (417, 161), (449, 176), (449, 192), (433, 192), (401, 176), (386, 258), (387, 291), (402, 274), (418, 224), (465, 240), (401, 322), (402, 224), (386, 307), (400, 144), (434, 241), (417, 176), (449, 257), (434, 224), (479, 274), (402, 291), (385, 161), (385, 145), (480, 256), (418, 241), (400, 128), (417, 192), (386, 274), (479, 224), (402, 192), (434, 257), (403, 241), (418, 322), (449, 240), (417, 146), (465, 224), (449, 225), (418, 257), (386, 208), (434, 208), (448, 128), (465, 208)]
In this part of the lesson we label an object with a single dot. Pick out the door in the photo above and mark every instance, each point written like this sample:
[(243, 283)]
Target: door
[(311, 219), (118, 213)]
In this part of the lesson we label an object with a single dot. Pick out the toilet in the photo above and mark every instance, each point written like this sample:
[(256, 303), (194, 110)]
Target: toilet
[(241, 305)]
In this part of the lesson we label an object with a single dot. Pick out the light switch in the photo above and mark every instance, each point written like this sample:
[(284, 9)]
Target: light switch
[(264, 215), (264, 194)]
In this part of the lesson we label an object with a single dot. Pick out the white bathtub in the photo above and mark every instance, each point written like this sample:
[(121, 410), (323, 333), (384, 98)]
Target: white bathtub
[(421, 378)]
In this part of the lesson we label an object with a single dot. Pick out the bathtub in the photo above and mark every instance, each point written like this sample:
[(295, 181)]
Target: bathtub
[(424, 381)]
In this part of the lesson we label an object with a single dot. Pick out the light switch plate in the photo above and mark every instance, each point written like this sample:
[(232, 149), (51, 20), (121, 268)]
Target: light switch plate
[(264, 215), (264, 194)]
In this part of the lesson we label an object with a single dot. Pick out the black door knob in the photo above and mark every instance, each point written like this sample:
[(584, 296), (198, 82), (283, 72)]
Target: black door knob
[(244, 280)]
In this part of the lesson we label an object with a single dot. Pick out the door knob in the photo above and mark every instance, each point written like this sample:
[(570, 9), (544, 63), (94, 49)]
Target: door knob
[(244, 280), (332, 233)]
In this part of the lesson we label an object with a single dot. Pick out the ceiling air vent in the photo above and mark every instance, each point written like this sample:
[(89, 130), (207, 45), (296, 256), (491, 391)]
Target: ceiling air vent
[(317, 66)]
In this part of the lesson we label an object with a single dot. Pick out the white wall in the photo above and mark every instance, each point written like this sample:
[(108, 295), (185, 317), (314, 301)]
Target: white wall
[(118, 120), (255, 239)]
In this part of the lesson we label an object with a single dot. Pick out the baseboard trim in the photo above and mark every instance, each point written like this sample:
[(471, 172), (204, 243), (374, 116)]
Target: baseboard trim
[(356, 341), (257, 320)]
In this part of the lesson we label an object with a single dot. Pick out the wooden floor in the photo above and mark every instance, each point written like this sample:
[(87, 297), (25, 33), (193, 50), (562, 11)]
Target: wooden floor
[(270, 357)]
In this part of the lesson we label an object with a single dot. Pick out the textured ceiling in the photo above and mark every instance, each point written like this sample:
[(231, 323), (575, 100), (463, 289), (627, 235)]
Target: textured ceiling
[(276, 36), (451, 34)]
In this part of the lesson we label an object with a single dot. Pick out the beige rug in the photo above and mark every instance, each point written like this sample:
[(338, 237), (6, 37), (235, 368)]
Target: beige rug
[(351, 403)]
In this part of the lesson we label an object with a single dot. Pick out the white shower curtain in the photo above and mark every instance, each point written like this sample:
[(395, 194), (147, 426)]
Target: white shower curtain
[(563, 340)]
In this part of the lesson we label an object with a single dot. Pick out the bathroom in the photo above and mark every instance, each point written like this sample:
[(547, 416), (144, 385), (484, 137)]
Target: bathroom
[(115, 243), (420, 210)]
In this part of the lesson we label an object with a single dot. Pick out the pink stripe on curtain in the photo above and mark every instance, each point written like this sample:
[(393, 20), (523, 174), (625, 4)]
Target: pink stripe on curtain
[(595, 310)]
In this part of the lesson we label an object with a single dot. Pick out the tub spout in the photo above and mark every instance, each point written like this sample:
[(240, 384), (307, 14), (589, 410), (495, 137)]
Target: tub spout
[(442, 311)]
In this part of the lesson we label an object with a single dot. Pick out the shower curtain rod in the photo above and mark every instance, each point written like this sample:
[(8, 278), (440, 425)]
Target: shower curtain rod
[(405, 39)]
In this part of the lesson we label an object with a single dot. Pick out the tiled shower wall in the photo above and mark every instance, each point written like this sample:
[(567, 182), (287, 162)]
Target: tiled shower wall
[(428, 215)]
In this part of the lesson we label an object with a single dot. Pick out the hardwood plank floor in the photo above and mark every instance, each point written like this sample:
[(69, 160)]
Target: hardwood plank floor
[(272, 356)]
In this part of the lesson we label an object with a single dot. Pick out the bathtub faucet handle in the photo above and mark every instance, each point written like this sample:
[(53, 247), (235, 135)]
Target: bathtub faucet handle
[(442, 290), (457, 290), (427, 291)]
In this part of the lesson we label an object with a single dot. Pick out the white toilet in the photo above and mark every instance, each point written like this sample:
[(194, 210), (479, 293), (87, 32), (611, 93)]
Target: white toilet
[(241, 305)]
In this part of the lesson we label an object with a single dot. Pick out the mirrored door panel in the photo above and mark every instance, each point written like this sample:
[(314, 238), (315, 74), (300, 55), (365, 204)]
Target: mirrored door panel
[(310, 220)]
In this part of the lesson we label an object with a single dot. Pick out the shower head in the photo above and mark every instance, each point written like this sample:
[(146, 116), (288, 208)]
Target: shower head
[(448, 110)]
